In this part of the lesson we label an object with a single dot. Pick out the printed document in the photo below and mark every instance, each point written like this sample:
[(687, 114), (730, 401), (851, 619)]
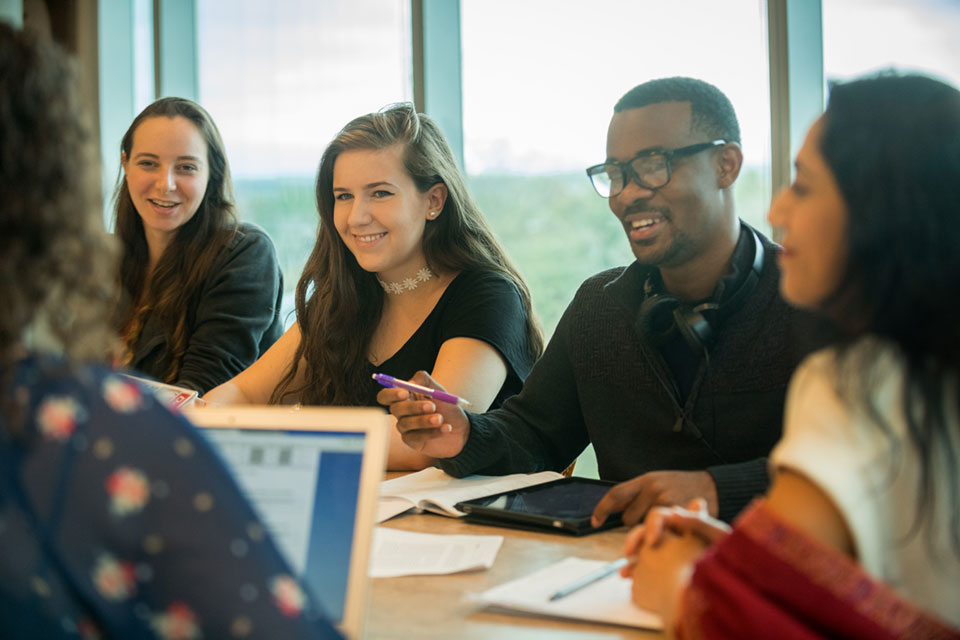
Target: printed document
[(404, 553)]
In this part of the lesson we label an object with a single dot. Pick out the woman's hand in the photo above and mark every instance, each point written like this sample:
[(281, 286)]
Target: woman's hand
[(661, 573), (664, 549), (693, 519)]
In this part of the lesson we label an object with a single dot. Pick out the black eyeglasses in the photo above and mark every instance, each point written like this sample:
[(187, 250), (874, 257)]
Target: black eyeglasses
[(650, 169)]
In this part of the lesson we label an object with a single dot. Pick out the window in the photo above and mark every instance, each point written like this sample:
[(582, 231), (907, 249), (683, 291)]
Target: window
[(280, 79), (540, 79), (860, 36)]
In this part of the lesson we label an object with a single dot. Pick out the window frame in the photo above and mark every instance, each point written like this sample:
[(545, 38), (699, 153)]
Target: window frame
[(794, 51)]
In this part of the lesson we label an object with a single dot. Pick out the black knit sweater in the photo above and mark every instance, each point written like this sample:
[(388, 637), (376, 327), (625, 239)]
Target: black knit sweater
[(598, 382)]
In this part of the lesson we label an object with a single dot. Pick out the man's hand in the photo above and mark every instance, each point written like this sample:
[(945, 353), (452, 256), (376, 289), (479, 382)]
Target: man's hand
[(436, 429), (635, 497)]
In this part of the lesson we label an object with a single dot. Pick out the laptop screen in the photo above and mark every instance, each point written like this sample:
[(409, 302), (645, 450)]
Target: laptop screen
[(289, 475), (306, 485)]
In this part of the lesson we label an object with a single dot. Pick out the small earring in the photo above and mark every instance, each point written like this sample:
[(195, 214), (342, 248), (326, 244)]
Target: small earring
[(432, 214)]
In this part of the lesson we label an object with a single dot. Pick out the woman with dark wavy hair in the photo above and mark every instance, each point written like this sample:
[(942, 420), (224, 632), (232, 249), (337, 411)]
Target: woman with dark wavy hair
[(859, 536), (406, 275), (201, 293), (100, 523)]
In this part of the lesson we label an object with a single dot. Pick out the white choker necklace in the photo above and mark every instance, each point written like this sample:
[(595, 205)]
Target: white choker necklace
[(407, 284)]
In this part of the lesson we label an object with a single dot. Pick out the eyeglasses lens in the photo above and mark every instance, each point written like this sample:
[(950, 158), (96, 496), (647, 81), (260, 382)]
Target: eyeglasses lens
[(651, 170), (608, 180)]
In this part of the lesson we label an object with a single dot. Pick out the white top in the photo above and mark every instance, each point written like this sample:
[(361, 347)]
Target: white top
[(872, 476)]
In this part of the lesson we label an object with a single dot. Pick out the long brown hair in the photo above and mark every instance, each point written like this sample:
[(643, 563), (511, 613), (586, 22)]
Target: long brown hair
[(187, 260), (57, 263), (338, 303)]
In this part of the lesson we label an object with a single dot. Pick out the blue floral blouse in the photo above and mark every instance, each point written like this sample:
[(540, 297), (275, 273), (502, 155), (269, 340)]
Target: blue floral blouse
[(117, 520)]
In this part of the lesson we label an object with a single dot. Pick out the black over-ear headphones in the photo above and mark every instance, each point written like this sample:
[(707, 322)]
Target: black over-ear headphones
[(661, 314)]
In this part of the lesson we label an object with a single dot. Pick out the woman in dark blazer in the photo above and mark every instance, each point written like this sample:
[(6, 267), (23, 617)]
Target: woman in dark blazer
[(201, 293)]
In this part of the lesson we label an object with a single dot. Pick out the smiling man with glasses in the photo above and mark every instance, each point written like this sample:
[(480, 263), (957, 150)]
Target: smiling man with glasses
[(674, 367)]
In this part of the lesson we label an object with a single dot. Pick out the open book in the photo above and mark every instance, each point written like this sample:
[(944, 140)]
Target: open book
[(173, 397), (606, 600), (433, 490)]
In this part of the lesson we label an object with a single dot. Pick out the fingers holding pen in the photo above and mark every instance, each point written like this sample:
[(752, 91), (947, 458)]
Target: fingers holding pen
[(433, 427), (411, 410), (694, 519)]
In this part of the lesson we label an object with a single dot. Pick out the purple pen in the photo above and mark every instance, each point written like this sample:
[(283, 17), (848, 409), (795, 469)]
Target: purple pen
[(436, 394)]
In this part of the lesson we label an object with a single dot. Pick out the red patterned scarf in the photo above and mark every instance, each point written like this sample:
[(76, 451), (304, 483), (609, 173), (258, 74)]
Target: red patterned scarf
[(767, 579)]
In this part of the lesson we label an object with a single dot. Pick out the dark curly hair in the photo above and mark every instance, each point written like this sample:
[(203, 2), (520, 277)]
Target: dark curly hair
[(710, 109), (57, 264), (893, 144)]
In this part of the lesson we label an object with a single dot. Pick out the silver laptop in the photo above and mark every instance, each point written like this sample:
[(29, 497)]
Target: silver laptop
[(313, 476)]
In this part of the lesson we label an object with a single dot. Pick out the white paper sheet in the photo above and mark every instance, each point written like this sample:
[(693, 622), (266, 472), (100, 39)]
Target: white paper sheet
[(404, 553), (607, 600)]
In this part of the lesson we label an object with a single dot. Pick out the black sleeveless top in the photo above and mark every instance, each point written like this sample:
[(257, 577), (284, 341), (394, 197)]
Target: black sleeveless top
[(480, 305)]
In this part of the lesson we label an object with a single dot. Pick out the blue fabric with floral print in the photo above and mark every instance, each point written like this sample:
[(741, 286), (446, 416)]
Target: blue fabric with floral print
[(117, 520)]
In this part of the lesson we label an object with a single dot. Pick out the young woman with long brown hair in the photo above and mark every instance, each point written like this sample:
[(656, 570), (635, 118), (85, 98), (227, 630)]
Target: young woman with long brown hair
[(201, 292), (405, 275)]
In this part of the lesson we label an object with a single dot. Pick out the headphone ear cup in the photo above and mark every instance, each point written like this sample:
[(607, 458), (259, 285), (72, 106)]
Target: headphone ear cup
[(656, 317), (694, 327)]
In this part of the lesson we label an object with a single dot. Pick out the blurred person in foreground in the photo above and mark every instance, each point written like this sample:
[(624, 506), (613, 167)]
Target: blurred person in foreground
[(116, 519)]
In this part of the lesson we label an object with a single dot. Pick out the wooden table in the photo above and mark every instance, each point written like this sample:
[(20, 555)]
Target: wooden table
[(436, 606)]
